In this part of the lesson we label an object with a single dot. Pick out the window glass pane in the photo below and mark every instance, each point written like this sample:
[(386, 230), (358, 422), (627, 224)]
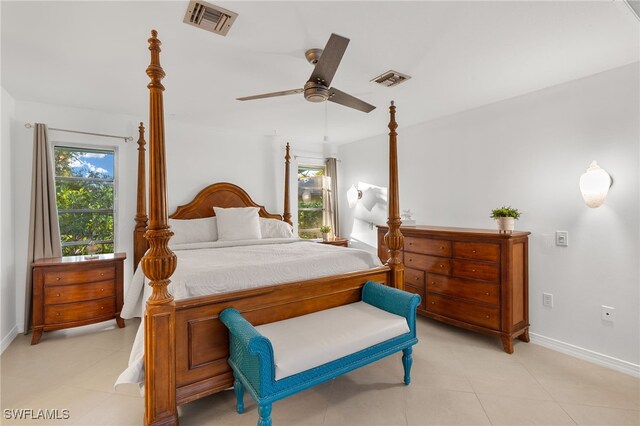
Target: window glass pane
[(85, 196), (310, 201)]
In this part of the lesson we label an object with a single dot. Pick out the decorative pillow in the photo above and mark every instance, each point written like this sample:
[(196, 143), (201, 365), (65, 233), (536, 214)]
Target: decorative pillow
[(193, 230), (274, 228), (238, 223)]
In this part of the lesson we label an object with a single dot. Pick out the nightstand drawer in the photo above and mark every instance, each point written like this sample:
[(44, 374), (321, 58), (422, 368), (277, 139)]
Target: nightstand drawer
[(466, 289), (80, 311), (477, 251), (78, 292), (439, 265), (463, 311), (63, 277), (427, 246), (414, 277), (476, 270)]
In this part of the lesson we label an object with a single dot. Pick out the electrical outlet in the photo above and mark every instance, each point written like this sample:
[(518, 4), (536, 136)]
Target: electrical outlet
[(607, 313), (547, 299), (562, 238)]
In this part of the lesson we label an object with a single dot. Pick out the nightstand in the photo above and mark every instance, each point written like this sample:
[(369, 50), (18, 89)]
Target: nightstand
[(342, 242), (74, 290)]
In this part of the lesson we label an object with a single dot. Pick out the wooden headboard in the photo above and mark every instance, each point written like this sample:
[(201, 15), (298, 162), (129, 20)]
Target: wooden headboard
[(223, 194)]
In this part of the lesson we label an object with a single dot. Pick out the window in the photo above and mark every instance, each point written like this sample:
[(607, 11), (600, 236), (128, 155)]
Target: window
[(85, 197), (311, 200)]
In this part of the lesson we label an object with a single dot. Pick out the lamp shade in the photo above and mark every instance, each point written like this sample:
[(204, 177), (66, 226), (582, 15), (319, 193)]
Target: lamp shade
[(352, 196), (594, 185)]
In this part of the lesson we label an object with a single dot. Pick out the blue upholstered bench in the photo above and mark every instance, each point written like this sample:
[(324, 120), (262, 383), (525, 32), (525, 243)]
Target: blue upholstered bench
[(273, 361)]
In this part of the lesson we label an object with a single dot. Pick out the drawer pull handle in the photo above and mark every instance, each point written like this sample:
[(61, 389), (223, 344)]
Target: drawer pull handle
[(57, 278), (102, 308), (102, 289), (433, 303), (58, 295), (487, 316), (441, 247), (417, 278), (57, 314), (474, 252), (441, 265), (102, 274), (487, 293), (473, 270)]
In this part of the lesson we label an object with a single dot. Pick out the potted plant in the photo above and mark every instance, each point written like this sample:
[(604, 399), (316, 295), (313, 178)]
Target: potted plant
[(505, 216), (325, 230)]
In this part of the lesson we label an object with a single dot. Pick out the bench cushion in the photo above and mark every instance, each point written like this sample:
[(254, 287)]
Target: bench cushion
[(305, 342)]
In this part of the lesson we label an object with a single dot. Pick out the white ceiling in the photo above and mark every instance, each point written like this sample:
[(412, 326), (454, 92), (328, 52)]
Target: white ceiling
[(461, 55)]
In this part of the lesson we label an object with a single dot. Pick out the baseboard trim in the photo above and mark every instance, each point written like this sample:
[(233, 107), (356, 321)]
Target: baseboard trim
[(587, 355), (6, 340)]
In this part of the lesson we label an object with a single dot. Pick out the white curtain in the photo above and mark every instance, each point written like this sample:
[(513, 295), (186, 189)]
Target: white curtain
[(332, 172), (44, 230)]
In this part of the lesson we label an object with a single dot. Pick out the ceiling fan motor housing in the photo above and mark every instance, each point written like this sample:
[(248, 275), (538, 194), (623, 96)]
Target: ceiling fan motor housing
[(315, 92)]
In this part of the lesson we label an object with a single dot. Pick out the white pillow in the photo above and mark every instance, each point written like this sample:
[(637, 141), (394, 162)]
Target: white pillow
[(238, 223), (187, 231), (274, 228)]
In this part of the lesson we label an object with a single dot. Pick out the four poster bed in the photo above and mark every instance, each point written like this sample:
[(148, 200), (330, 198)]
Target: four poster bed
[(185, 344)]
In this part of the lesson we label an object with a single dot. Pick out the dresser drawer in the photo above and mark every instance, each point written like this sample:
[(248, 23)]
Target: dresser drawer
[(477, 251), (466, 289), (428, 263), (476, 270), (63, 277), (414, 277), (427, 246), (418, 291), (78, 292), (79, 311), (464, 311)]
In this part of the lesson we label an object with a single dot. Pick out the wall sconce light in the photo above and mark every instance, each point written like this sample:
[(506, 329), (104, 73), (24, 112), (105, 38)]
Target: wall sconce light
[(594, 185), (353, 195)]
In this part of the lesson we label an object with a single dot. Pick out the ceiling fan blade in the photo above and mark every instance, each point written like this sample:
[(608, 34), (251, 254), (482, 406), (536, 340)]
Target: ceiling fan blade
[(330, 59), (271, 95), (347, 100)]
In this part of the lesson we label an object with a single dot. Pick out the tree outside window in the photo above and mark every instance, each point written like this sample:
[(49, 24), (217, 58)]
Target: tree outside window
[(311, 200), (85, 197)]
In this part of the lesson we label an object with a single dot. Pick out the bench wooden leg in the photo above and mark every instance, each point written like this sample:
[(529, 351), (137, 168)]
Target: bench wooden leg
[(407, 360), (265, 415), (237, 387)]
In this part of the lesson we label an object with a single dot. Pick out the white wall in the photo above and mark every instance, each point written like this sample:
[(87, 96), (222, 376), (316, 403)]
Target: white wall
[(8, 328), (529, 152), (196, 157)]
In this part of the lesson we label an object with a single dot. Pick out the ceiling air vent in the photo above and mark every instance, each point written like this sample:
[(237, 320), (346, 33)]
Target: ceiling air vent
[(391, 78), (209, 17)]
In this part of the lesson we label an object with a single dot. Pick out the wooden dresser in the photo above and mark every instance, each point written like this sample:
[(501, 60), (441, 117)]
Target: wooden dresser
[(72, 291), (472, 278)]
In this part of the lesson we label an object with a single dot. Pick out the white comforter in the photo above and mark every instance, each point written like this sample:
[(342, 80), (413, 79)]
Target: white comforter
[(218, 267)]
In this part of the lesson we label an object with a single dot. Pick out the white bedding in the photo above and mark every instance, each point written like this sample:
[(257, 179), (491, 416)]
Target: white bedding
[(224, 266)]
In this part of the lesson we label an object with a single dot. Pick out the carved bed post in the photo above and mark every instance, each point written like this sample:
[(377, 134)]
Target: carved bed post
[(140, 245), (158, 265), (287, 212), (394, 239)]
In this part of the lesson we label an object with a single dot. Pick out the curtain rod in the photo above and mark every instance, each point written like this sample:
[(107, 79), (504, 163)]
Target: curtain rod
[(315, 158), (126, 138)]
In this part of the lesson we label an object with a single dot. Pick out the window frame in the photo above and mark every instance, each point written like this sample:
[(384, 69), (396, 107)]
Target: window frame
[(323, 209), (92, 148)]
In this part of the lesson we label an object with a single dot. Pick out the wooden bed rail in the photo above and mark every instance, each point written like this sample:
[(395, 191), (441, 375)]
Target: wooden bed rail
[(158, 265)]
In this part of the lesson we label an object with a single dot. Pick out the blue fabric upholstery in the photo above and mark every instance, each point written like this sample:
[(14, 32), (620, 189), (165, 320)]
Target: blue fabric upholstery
[(251, 354)]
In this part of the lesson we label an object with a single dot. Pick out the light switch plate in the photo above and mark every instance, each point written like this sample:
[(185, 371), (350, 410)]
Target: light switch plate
[(562, 238)]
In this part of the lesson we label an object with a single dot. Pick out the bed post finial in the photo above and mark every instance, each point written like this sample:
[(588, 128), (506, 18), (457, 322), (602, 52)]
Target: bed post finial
[(287, 212), (140, 244), (394, 239), (158, 265)]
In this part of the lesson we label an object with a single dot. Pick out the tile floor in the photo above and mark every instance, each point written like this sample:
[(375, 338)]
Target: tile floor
[(458, 377)]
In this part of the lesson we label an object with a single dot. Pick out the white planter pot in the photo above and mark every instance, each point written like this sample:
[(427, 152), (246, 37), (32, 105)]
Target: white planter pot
[(325, 237), (506, 224)]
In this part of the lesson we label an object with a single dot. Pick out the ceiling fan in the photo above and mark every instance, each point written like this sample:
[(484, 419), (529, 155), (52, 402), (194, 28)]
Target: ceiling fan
[(317, 88)]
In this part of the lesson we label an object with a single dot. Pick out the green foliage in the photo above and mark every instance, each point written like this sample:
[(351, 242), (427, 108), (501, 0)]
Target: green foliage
[(79, 189), (325, 229), (505, 211)]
